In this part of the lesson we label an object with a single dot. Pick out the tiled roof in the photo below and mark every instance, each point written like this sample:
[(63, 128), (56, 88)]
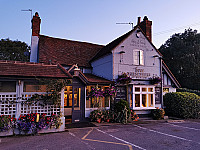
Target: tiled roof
[(92, 79), (66, 52), (27, 69), (109, 47)]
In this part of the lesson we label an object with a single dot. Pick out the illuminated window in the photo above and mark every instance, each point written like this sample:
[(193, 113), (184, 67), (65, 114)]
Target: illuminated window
[(95, 102), (138, 57), (166, 90), (143, 97)]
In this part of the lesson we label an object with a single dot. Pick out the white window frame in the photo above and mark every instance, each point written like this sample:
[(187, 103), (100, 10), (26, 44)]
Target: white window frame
[(140, 93), (138, 57)]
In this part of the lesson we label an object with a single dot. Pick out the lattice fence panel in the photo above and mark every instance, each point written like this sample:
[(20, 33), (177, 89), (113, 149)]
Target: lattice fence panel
[(8, 104), (38, 107)]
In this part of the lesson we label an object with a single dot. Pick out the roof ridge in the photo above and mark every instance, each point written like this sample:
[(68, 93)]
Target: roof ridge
[(71, 40), (24, 63)]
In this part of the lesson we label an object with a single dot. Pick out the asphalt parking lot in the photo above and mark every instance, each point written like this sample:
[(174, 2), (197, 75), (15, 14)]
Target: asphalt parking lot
[(145, 135)]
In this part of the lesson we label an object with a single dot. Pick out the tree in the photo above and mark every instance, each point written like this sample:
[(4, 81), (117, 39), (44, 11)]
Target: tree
[(14, 50), (181, 52)]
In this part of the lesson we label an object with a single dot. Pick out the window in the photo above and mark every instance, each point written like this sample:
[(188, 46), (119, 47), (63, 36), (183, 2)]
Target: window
[(7, 86), (34, 87), (96, 102), (143, 97), (166, 90), (138, 57)]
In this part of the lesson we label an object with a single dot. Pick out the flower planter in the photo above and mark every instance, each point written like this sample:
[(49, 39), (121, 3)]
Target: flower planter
[(6, 133), (98, 120)]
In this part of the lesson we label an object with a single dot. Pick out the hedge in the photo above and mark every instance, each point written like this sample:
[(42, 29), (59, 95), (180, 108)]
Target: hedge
[(188, 90), (182, 105)]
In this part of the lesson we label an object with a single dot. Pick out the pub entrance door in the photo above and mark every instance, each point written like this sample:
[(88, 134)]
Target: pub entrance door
[(74, 103)]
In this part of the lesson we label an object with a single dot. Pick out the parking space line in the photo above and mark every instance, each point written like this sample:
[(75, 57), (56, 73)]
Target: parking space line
[(121, 140), (184, 127), (174, 136), (84, 138)]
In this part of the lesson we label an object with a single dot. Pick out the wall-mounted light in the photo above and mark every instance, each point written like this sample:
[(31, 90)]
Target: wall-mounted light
[(122, 52)]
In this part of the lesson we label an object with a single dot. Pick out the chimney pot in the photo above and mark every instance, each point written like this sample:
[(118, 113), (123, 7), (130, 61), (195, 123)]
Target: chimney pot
[(139, 20), (36, 25), (145, 26)]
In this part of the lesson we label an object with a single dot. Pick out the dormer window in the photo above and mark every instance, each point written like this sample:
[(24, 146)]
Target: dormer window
[(138, 57)]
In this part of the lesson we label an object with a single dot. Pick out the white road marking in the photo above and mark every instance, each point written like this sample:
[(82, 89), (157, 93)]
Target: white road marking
[(72, 134), (121, 140), (174, 136), (184, 127)]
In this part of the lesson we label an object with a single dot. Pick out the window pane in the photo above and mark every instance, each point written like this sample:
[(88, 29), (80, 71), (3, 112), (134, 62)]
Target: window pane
[(7, 86), (136, 57), (131, 100), (70, 100), (141, 58), (68, 96), (150, 89), (150, 99), (144, 89), (34, 87), (137, 89), (166, 90), (137, 100), (144, 100), (107, 101)]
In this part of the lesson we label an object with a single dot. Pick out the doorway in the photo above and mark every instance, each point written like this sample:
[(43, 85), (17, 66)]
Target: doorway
[(73, 104)]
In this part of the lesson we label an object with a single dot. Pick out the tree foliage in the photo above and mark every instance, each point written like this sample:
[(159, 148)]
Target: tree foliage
[(181, 52), (14, 50)]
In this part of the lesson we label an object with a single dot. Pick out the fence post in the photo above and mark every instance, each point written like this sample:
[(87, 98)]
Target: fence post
[(62, 128), (19, 90)]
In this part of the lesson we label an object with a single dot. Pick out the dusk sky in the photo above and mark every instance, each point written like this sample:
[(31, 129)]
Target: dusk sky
[(95, 21)]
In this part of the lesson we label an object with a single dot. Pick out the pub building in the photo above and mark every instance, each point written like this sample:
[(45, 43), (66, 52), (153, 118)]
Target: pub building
[(90, 65)]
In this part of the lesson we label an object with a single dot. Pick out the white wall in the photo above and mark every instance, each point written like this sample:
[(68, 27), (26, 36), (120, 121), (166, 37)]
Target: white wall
[(103, 67), (124, 62), (34, 49)]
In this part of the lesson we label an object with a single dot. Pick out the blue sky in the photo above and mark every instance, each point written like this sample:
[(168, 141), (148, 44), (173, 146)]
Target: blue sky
[(95, 20)]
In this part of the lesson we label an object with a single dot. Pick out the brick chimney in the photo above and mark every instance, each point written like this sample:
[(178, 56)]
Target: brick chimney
[(34, 57), (36, 25), (145, 25)]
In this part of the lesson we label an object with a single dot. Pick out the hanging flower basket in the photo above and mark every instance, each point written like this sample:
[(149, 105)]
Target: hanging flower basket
[(123, 79), (155, 80)]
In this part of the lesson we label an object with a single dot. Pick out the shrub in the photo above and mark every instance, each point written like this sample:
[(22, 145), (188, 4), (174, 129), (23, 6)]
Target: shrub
[(158, 113), (120, 109), (188, 90), (182, 104), (100, 115), (121, 113), (119, 106), (134, 116), (6, 122)]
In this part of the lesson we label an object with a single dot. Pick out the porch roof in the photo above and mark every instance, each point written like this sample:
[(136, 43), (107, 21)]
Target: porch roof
[(27, 69), (93, 79)]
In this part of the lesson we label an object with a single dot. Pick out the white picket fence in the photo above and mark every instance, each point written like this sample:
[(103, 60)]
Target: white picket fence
[(13, 104)]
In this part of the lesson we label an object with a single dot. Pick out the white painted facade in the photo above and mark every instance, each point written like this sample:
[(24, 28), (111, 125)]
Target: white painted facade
[(34, 49)]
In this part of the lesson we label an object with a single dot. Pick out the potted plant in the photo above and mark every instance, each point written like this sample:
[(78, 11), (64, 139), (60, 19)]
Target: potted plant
[(155, 80), (123, 79)]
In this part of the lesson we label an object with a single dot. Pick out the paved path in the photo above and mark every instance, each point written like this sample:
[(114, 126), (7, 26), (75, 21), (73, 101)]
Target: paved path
[(140, 136)]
